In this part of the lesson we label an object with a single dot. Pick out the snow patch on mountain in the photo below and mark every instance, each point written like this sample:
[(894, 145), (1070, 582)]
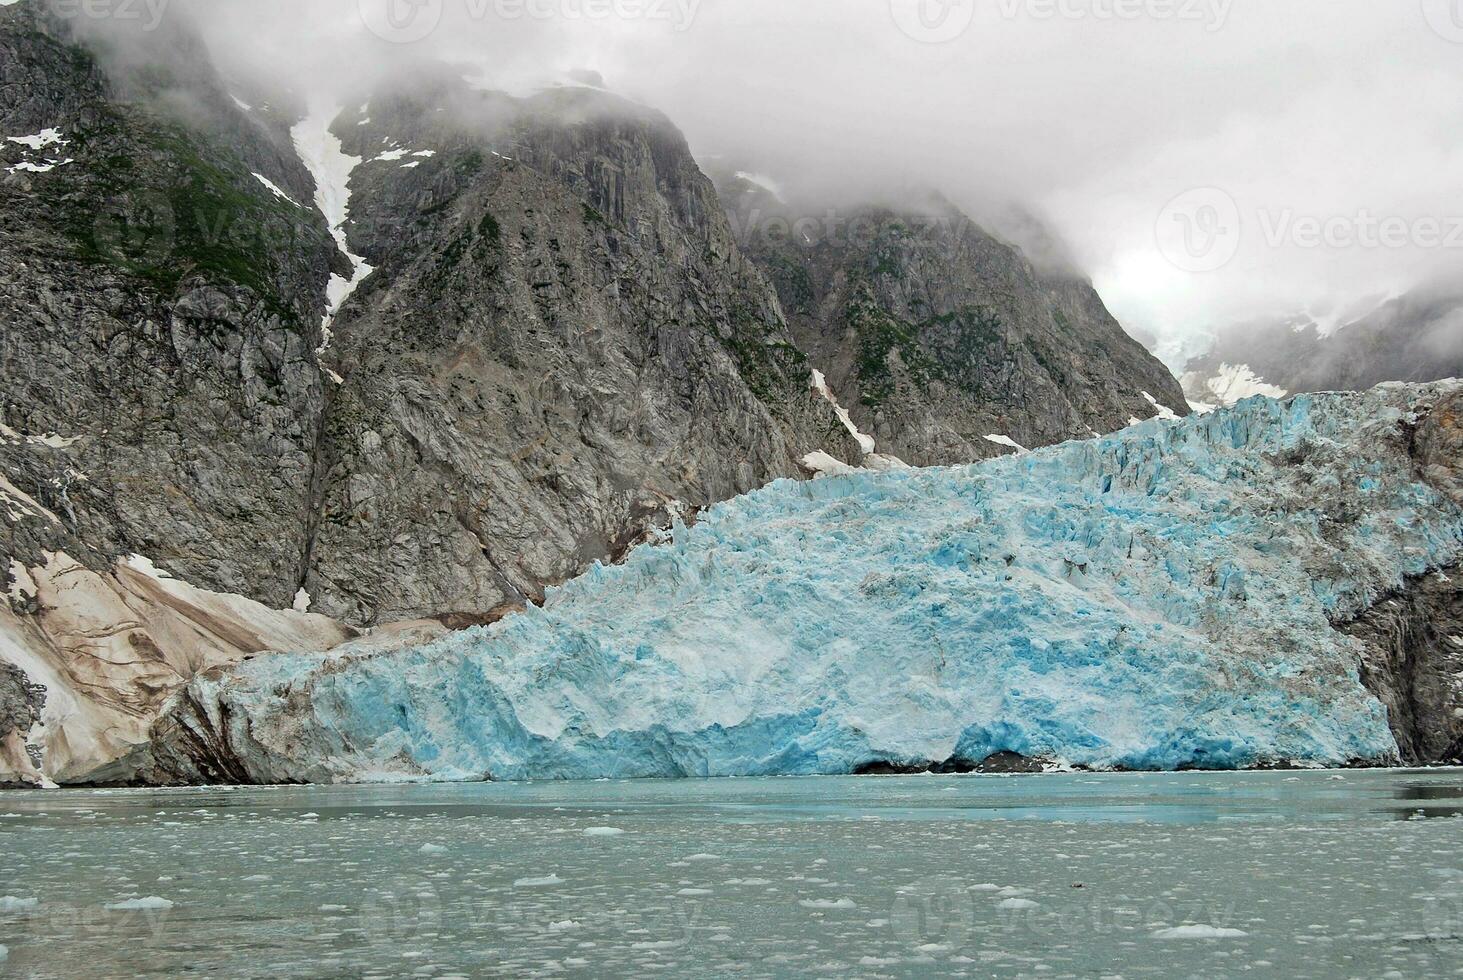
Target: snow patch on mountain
[(1006, 441), (1232, 383), (1164, 412), (275, 189), (763, 181), (50, 136), (320, 150), (820, 385)]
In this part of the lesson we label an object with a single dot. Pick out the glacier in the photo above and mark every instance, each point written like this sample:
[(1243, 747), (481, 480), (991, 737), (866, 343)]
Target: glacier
[(1164, 597)]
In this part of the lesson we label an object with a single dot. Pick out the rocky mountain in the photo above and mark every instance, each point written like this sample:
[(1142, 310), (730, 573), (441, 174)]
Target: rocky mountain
[(560, 345), (1246, 588), (937, 336), (283, 373), (1414, 337)]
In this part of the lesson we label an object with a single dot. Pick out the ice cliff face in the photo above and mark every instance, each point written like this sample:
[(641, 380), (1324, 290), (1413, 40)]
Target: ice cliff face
[(1168, 596)]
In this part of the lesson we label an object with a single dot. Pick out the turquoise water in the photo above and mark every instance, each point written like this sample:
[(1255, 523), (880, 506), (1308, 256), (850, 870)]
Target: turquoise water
[(1355, 874)]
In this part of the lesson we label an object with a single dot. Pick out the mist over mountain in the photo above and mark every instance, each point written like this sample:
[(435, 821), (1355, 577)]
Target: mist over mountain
[(1095, 117), (1414, 337)]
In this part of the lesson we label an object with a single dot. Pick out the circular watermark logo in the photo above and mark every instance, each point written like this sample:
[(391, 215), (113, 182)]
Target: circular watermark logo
[(934, 911), (933, 21), (400, 21), (135, 230), (404, 914), (1199, 231), (1445, 17)]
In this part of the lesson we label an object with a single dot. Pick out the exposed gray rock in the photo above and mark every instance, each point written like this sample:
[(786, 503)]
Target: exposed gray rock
[(1414, 638), (935, 334), (21, 702), (160, 308), (1413, 662), (560, 346)]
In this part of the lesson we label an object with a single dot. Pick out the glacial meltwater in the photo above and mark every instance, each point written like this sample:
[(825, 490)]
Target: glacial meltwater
[(1316, 874)]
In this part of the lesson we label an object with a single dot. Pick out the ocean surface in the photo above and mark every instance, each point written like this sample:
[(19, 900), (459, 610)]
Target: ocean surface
[(1296, 874)]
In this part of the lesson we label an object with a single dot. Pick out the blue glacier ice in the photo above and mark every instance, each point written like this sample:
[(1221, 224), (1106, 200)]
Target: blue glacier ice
[(1159, 598)]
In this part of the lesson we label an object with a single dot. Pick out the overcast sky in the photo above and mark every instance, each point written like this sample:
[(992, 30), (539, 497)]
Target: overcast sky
[(1189, 151)]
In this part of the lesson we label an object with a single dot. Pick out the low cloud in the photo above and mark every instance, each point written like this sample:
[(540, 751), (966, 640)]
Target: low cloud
[(1101, 117)]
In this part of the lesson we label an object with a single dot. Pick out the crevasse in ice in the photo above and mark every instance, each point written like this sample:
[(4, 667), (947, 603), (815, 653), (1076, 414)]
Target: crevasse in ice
[(1157, 598)]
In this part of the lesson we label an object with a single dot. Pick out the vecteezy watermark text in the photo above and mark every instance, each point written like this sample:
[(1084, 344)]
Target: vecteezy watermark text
[(405, 21), (939, 21), (832, 227), (1202, 230), (149, 13), (1445, 17)]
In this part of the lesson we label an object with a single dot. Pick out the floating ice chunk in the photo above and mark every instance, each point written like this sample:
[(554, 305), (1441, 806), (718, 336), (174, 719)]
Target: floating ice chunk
[(431, 849), (1199, 932), (602, 831), (690, 892), (10, 903), (1016, 903), (704, 857), (547, 881), (563, 925), (827, 903), (150, 903)]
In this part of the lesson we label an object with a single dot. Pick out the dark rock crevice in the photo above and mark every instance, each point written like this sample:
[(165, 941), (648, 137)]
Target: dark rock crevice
[(1413, 643)]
